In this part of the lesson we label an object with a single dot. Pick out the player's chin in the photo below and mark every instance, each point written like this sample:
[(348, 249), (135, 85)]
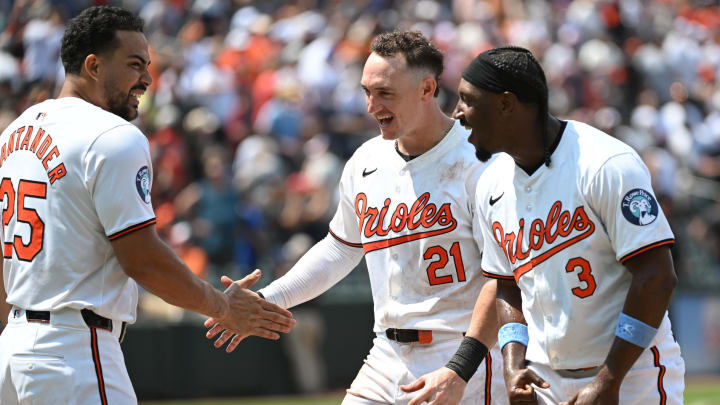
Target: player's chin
[(132, 113), (388, 134)]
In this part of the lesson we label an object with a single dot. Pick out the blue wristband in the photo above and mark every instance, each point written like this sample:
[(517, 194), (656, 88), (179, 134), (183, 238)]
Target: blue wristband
[(513, 332), (635, 331)]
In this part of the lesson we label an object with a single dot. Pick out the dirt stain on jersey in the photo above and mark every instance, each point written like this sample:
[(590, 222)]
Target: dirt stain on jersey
[(452, 172)]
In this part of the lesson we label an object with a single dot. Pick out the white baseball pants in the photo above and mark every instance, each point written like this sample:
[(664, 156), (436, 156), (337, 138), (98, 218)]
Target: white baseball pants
[(391, 364), (62, 361), (656, 378)]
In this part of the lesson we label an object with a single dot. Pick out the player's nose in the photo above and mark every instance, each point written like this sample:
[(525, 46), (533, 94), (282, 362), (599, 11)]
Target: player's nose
[(146, 78), (372, 105), (457, 112)]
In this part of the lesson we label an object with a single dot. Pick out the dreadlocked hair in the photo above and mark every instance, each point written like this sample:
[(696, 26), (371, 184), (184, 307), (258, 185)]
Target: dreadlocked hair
[(523, 66)]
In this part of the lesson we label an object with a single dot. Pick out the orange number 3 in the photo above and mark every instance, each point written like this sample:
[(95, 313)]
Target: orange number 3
[(584, 275)]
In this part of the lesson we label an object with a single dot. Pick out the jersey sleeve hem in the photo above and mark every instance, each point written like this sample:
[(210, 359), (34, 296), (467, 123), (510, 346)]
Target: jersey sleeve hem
[(668, 242), (355, 245), (132, 228), (497, 276)]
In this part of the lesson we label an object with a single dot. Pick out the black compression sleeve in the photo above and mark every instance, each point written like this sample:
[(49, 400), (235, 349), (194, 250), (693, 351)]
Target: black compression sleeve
[(468, 357)]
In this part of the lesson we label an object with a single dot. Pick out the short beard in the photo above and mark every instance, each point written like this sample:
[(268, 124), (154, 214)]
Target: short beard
[(482, 154), (119, 104)]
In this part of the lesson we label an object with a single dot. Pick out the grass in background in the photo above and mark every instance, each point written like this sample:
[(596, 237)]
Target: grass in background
[(704, 392)]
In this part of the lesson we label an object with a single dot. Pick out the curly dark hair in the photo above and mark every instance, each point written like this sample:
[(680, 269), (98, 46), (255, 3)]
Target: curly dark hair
[(419, 52), (93, 32)]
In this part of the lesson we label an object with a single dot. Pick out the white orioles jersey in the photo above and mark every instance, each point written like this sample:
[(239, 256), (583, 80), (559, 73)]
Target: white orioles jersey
[(563, 233), (74, 177), (414, 222)]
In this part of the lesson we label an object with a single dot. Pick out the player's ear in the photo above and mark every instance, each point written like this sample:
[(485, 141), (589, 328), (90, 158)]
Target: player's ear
[(91, 66), (428, 88), (508, 102)]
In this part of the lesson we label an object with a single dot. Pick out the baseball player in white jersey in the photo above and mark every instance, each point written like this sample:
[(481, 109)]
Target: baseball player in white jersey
[(578, 243), (406, 205), (77, 228)]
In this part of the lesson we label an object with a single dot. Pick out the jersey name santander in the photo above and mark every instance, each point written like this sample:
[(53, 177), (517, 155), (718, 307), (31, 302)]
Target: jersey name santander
[(74, 176), (563, 233), (414, 222)]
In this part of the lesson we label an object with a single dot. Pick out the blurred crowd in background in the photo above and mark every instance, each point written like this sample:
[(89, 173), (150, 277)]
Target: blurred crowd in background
[(256, 105)]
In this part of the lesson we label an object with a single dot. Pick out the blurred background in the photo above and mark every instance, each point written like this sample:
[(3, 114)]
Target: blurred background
[(256, 106)]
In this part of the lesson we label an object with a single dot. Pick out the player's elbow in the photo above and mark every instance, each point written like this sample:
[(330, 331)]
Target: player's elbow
[(656, 281)]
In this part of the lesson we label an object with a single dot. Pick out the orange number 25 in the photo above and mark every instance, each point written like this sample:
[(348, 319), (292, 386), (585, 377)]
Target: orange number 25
[(26, 188)]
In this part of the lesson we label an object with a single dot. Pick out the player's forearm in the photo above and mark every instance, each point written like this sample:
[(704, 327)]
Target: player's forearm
[(509, 310), (159, 270), (326, 263), (484, 322), (168, 278), (647, 300)]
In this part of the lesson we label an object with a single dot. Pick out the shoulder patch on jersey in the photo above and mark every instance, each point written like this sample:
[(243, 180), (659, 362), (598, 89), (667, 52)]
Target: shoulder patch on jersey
[(142, 183), (639, 207)]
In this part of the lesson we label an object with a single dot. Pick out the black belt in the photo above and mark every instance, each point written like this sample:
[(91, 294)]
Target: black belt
[(91, 319), (409, 335)]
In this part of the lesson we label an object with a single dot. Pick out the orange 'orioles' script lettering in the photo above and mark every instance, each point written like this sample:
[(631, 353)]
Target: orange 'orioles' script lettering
[(421, 214), (558, 223), (41, 150)]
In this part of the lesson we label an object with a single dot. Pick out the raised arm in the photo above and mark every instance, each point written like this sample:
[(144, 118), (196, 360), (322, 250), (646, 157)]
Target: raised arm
[(160, 271), (653, 281), (326, 263)]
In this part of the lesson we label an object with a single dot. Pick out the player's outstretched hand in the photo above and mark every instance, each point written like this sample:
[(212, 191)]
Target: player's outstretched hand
[(520, 389), (248, 315), (440, 387), (598, 392)]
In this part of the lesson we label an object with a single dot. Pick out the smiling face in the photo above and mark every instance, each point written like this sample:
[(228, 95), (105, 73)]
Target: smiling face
[(479, 110), (393, 94), (125, 76)]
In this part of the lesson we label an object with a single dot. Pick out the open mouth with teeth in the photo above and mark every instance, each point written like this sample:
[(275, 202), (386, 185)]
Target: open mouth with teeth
[(385, 120), (135, 95)]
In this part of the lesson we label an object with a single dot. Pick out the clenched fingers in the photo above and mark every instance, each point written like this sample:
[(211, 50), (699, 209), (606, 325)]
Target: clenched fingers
[(524, 395)]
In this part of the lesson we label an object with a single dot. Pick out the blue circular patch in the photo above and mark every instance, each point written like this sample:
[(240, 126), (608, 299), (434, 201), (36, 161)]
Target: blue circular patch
[(142, 183), (639, 207)]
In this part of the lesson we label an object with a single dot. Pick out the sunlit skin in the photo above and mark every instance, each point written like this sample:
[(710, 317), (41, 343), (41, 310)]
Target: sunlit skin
[(401, 101), (501, 123), (116, 79)]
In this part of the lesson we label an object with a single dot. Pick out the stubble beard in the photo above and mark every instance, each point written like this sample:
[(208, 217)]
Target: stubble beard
[(482, 154), (119, 103)]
